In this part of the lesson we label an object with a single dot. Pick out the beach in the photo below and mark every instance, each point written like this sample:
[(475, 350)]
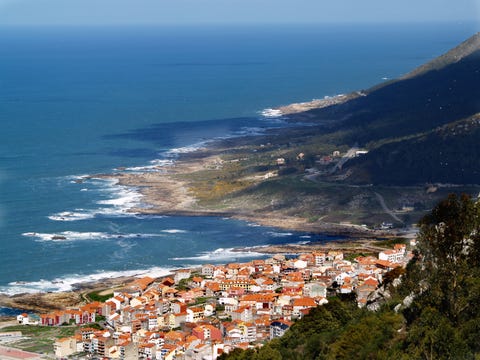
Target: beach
[(62, 226), (43, 302), (169, 190)]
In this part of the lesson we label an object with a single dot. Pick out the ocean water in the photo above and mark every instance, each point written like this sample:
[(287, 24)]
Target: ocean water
[(79, 101)]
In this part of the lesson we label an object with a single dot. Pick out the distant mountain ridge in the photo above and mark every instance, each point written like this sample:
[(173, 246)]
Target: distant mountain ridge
[(419, 130), (454, 55), (396, 122)]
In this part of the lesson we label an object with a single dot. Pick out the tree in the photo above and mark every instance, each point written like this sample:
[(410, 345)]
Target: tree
[(445, 276), (448, 244)]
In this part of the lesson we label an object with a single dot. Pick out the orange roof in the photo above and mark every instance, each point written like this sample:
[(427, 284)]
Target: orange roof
[(174, 335), (146, 345), (258, 297), (371, 282), (304, 301)]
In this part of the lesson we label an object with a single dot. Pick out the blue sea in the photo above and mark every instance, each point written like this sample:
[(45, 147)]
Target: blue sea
[(80, 101)]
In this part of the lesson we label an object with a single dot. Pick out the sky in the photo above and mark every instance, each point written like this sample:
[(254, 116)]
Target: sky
[(166, 12)]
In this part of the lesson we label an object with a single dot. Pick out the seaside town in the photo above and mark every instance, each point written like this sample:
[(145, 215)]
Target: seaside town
[(201, 313)]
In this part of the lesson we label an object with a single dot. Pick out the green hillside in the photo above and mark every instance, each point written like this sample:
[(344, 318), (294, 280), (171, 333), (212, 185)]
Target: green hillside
[(449, 154), (433, 314), (401, 123)]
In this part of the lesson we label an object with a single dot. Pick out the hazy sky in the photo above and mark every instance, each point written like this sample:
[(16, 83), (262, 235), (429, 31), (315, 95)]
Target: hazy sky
[(95, 12)]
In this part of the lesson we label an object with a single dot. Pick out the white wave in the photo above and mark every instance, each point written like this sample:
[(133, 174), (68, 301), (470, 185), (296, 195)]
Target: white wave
[(84, 189), (155, 165), (187, 149), (67, 282), (174, 231), (149, 216), (75, 179), (279, 234), (75, 236), (251, 131), (303, 242), (124, 198), (305, 237), (120, 199), (271, 113), (71, 216), (221, 255)]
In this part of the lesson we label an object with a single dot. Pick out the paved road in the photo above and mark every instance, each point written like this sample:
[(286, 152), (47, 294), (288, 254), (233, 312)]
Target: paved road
[(349, 155), (381, 200)]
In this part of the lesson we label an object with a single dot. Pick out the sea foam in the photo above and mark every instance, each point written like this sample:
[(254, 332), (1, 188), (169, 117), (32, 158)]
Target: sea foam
[(271, 113), (68, 282), (279, 234), (119, 200), (174, 231), (155, 166), (75, 236), (221, 254)]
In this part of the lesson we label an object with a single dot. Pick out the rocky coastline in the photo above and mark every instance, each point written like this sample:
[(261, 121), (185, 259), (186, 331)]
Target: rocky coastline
[(168, 191)]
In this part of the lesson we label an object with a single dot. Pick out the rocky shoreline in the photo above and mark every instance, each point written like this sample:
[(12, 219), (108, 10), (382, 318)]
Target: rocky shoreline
[(168, 191), (46, 302)]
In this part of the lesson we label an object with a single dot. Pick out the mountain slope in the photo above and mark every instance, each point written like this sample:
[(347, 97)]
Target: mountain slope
[(400, 123), (432, 312), (449, 154), (412, 105)]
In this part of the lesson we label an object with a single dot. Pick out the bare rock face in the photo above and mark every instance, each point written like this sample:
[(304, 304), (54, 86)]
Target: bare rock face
[(377, 298), (41, 302)]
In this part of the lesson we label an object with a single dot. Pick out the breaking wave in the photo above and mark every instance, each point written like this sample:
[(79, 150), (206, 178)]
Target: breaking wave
[(69, 282)]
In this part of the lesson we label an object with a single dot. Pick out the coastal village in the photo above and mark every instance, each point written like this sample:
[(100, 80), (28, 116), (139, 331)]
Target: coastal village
[(201, 313)]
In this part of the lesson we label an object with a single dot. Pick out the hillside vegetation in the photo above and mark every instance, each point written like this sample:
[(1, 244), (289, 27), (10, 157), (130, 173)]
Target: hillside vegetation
[(433, 314), (387, 154)]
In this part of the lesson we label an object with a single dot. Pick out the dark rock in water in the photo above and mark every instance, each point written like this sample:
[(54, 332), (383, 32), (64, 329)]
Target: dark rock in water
[(79, 181), (58, 237)]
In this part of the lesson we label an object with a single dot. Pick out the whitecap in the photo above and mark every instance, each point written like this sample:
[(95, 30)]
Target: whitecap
[(174, 231), (71, 216), (303, 242), (250, 131), (67, 282), (221, 255), (271, 113), (187, 149), (155, 166), (76, 236), (279, 234), (119, 200)]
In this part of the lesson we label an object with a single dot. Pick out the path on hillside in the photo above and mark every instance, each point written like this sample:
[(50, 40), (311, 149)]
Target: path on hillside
[(381, 200), (351, 153)]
